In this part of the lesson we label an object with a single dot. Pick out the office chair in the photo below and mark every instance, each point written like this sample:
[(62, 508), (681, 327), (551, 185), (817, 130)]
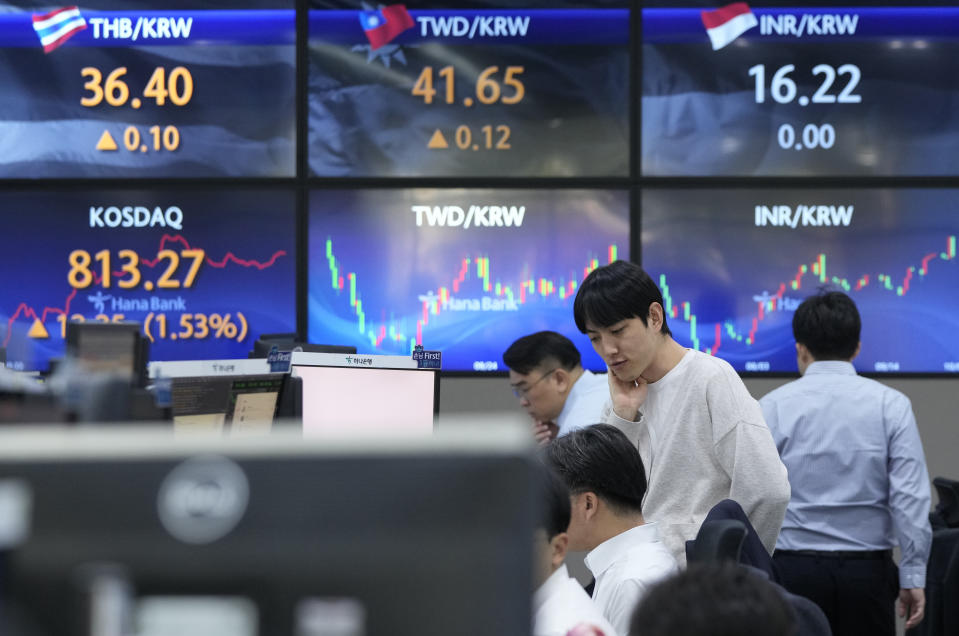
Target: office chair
[(942, 586), (948, 508), (751, 551), (727, 534), (717, 541)]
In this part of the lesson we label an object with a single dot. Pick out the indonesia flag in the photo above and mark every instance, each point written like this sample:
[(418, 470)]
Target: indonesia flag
[(383, 25), (727, 23), (58, 26)]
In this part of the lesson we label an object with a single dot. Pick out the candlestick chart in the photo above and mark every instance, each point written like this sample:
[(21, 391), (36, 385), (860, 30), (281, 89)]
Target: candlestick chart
[(384, 283), (733, 268)]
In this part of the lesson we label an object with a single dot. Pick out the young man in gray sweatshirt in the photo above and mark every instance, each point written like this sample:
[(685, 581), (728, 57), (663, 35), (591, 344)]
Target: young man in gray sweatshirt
[(701, 436)]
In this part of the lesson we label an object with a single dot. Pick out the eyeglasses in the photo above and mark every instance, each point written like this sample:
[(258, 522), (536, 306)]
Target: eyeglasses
[(523, 392)]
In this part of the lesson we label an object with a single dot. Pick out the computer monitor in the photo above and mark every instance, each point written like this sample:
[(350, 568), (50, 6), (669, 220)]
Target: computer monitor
[(207, 395), (276, 536), (196, 368), (290, 342), (25, 399), (236, 404), (21, 407), (365, 394), (109, 348)]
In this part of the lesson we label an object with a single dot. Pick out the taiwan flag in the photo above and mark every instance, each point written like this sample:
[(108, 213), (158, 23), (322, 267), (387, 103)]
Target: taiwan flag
[(727, 23), (383, 25)]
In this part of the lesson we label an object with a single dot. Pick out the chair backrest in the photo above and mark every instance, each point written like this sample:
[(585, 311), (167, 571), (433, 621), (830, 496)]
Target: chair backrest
[(752, 551), (718, 541), (948, 508), (727, 535), (942, 586)]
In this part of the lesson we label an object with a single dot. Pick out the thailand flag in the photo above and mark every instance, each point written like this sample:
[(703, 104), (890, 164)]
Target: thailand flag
[(727, 23), (383, 25), (58, 26)]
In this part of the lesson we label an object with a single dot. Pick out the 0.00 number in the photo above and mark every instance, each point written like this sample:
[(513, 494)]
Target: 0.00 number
[(813, 136)]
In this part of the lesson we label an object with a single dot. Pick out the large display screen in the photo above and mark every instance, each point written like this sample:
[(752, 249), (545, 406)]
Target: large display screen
[(464, 272), (427, 89), (747, 90), (205, 272), (734, 265), (132, 88)]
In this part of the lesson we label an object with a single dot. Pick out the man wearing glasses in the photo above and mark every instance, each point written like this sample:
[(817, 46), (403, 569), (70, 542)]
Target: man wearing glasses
[(546, 375)]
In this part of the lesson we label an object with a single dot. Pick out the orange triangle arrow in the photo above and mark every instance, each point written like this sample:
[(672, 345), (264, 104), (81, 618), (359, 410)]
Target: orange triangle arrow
[(437, 141), (106, 142), (38, 331)]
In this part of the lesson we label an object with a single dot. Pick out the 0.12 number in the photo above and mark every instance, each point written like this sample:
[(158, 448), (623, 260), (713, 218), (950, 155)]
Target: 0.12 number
[(464, 138)]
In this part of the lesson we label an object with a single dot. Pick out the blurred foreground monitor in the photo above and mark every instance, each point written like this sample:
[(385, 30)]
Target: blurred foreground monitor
[(136, 532)]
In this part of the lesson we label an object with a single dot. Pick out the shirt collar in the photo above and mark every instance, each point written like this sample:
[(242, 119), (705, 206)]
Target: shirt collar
[(673, 374), (840, 367), (578, 387), (550, 587), (608, 552)]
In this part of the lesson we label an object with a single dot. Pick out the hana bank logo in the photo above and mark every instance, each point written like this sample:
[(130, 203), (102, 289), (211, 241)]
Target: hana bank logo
[(99, 301), (58, 26), (725, 24)]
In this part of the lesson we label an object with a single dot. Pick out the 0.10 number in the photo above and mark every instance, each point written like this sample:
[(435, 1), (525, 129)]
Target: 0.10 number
[(165, 139)]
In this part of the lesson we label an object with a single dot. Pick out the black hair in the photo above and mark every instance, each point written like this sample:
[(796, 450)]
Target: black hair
[(714, 600), (529, 352), (828, 324), (602, 460), (616, 292), (555, 506)]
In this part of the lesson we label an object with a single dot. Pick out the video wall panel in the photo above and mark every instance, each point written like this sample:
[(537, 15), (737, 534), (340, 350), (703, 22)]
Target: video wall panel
[(397, 141), (800, 90), (139, 89), (462, 271), (445, 90), (204, 271), (734, 265)]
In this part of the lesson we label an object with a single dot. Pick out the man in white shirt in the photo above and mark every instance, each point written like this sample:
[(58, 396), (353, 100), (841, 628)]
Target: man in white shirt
[(607, 482), (700, 434), (551, 384), (559, 603)]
